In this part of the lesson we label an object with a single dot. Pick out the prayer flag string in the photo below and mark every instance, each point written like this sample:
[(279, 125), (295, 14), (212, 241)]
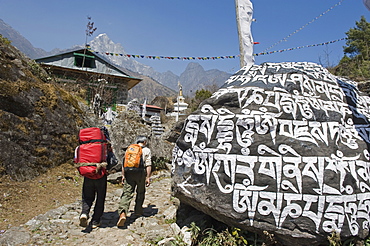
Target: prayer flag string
[(314, 19), (211, 57), (299, 47)]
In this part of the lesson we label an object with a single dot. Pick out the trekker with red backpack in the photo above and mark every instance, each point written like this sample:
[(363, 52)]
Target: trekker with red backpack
[(94, 156), (136, 171)]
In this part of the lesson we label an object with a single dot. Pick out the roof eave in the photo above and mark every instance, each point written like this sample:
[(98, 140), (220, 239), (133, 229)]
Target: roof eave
[(131, 81)]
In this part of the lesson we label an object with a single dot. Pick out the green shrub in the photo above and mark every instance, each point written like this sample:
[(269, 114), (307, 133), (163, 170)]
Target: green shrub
[(4, 40), (159, 163), (231, 236)]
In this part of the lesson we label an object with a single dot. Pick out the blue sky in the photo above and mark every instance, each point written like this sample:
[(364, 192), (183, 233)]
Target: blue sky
[(191, 28)]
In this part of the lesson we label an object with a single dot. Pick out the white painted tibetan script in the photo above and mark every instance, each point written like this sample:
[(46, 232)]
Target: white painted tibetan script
[(277, 154)]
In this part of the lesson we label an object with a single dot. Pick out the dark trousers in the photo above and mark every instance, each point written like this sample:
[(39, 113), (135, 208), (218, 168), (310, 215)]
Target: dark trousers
[(92, 188)]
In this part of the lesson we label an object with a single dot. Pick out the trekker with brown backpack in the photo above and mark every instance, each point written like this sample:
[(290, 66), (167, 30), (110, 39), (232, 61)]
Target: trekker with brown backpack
[(136, 171)]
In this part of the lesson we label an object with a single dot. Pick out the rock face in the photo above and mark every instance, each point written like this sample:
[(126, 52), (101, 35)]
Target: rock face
[(38, 120), (125, 130), (283, 148)]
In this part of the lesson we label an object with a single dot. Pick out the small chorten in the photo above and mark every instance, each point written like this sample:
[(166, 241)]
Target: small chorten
[(180, 105)]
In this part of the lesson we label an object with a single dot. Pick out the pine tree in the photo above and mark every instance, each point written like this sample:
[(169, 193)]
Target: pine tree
[(356, 62), (200, 96), (358, 40)]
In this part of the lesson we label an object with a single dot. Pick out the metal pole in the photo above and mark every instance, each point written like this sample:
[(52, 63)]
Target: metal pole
[(178, 109)]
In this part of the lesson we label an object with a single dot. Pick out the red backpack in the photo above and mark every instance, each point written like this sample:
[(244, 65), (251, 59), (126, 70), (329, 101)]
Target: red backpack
[(91, 153), (91, 135)]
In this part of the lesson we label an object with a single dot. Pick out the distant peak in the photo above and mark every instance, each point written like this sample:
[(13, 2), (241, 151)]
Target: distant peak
[(102, 36), (194, 65), (103, 40)]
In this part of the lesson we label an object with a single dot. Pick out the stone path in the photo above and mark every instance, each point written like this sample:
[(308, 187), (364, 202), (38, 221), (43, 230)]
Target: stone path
[(61, 226)]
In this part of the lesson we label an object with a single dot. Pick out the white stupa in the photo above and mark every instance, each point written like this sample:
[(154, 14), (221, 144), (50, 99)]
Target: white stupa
[(180, 105)]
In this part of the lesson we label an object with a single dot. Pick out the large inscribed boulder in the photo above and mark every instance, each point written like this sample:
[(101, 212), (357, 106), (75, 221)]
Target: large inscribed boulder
[(283, 148)]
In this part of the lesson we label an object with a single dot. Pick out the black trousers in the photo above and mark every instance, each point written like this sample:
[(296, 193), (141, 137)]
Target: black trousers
[(92, 188)]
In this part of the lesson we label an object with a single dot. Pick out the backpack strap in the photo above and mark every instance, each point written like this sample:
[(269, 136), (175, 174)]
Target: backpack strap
[(98, 165)]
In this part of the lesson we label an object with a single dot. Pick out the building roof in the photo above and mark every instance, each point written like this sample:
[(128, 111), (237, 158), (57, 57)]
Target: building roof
[(65, 61), (151, 107)]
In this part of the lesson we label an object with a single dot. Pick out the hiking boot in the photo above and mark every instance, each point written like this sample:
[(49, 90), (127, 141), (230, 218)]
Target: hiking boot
[(95, 224), (83, 220), (122, 219)]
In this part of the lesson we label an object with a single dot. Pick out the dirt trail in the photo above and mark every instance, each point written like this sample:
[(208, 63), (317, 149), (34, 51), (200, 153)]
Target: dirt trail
[(60, 226)]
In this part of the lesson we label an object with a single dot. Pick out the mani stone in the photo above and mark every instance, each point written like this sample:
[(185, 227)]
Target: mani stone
[(157, 128), (282, 148)]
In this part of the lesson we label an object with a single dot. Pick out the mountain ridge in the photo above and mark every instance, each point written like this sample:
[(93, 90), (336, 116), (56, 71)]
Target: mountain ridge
[(193, 78)]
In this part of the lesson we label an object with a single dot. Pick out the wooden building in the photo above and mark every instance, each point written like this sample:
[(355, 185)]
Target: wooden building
[(91, 69), (150, 110)]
